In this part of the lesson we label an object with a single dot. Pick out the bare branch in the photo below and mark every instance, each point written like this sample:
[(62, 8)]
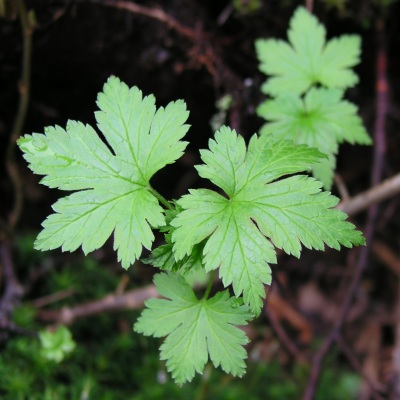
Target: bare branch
[(383, 191), (131, 300)]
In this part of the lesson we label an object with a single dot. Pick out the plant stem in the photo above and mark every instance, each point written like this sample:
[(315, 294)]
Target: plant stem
[(161, 199), (203, 390), (209, 285), (24, 90)]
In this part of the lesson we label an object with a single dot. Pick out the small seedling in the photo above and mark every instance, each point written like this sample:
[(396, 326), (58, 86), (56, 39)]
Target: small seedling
[(307, 79)]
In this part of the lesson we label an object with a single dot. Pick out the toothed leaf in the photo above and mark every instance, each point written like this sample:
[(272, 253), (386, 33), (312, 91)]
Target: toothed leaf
[(258, 212), (112, 178), (196, 330), (322, 120), (307, 58)]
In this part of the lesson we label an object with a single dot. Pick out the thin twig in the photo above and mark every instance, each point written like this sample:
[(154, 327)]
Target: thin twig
[(387, 256), (283, 310), (52, 298), (24, 91), (341, 187), (131, 300), (155, 13), (383, 191), (283, 337)]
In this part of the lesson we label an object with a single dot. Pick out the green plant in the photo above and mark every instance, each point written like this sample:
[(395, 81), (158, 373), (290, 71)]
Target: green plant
[(233, 229), (307, 78), (135, 372), (223, 104), (56, 344)]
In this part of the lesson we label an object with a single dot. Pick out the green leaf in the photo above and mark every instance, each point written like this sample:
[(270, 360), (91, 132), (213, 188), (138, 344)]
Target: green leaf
[(163, 257), (56, 345), (240, 229), (307, 59), (322, 120), (114, 194), (196, 330)]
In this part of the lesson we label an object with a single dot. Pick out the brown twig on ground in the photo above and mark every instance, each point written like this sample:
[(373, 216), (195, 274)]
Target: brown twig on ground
[(380, 192), (118, 301), (52, 298), (382, 104), (24, 90), (154, 13), (341, 187), (131, 300), (204, 52), (283, 337), (386, 255), (283, 310)]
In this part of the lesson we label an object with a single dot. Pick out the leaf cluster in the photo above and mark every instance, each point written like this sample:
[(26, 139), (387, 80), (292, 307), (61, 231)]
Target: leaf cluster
[(258, 205), (307, 79)]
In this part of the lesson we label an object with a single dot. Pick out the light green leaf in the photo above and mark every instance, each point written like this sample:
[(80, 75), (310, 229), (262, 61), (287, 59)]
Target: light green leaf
[(114, 191), (196, 330), (307, 59), (56, 345), (163, 257), (322, 120), (240, 229)]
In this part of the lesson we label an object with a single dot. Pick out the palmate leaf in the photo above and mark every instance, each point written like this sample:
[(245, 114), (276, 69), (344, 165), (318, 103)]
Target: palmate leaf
[(196, 330), (113, 190), (322, 120), (307, 59), (258, 212)]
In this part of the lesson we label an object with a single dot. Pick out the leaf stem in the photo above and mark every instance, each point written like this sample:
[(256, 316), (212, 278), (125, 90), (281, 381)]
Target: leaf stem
[(161, 199), (209, 285)]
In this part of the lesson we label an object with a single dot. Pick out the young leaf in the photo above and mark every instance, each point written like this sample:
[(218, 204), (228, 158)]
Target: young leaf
[(239, 228), (56, 345), (196, 329), (113, 190), (322, 120), (307, 59), (163, 257)]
